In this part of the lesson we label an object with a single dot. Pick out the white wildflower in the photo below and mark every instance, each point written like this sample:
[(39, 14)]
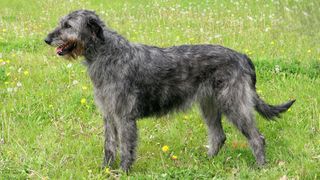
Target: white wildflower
[(277, 68), (75, 82), (19, 84)]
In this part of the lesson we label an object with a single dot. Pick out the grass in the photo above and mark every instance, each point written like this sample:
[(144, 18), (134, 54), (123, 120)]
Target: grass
[(46, 132)]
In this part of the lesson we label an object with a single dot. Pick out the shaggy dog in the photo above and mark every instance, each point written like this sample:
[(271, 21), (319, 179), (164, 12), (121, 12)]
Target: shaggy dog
[(132, 81)]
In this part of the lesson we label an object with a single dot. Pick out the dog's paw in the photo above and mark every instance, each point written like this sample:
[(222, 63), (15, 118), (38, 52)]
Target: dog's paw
[(108, 159), (125, 166)]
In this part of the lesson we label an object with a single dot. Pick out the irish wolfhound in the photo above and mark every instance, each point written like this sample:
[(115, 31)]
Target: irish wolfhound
[(132, 81)]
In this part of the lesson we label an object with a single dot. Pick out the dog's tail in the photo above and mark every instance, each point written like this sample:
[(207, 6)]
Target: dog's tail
[(264, 109), (271, 111)]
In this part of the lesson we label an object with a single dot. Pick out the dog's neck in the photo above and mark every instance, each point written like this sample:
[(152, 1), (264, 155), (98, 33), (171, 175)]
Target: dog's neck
[(112, 45)]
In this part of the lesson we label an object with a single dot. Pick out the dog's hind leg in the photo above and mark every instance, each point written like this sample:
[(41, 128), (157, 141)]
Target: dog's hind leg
[(245, 123), (212, 117), (237, 102), (110, 143), (128, 142)]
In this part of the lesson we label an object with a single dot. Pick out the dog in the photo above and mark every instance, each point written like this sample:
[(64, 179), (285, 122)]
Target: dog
[(132, 81)]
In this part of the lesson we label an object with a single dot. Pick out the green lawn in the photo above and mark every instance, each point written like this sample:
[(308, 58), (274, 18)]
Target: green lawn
[(46, 132)]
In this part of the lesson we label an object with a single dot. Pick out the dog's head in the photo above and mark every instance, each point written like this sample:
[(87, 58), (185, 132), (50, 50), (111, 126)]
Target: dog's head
[(74, 32)]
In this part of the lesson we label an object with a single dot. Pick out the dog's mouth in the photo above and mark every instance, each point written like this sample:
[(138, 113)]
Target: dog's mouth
[(65, 48)]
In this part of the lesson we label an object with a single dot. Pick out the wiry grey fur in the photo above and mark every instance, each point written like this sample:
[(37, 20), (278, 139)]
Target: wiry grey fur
[(132, 81)]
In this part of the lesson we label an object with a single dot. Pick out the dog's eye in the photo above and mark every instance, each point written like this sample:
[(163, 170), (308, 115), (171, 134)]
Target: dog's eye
[(67, 25)]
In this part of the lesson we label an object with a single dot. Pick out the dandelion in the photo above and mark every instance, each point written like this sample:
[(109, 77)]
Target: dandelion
[(26, 73), (84, 87), (165, 148), (83, 101), (107, 171), (174, 157)]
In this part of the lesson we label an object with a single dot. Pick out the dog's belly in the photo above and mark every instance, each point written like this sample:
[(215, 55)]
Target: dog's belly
[(162, 99)]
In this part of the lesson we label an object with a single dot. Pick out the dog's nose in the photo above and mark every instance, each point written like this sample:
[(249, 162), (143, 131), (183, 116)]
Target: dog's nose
[(48, 40)]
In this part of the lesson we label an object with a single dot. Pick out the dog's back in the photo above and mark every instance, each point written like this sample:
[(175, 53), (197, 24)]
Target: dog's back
[(170, 78)]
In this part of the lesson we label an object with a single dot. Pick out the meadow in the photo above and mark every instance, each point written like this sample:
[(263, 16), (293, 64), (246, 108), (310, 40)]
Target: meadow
[(51, 129)]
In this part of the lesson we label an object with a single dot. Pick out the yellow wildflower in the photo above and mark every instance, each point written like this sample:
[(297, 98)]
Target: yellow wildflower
[(84, 87), (4, 30), (83, 101), (174, 157), (26, 73), (309, 51), (165, 148), (107, 171), (272, 43)]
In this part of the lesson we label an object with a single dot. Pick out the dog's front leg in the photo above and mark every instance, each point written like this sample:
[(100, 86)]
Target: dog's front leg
[(110, 143), (128, 141)]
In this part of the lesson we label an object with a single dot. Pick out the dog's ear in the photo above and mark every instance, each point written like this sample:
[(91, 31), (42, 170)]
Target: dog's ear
[(95, 28)]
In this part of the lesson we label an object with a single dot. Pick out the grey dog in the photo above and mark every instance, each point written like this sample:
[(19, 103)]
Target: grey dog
[(132, 81)]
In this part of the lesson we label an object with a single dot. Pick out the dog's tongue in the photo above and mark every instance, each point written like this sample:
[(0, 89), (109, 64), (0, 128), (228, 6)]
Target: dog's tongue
[(59, 50)]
